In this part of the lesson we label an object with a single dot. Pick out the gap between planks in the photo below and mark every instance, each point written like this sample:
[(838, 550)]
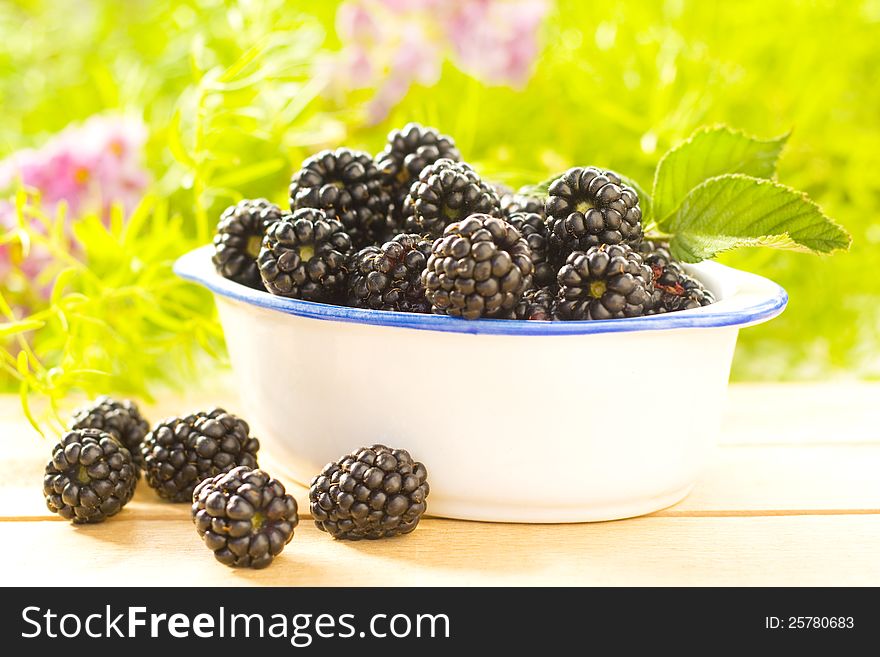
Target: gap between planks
[(664, 513)]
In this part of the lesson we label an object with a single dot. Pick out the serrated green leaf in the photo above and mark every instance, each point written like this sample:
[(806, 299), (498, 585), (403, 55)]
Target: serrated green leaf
[(735, 210), (693, 247), (708, 153)]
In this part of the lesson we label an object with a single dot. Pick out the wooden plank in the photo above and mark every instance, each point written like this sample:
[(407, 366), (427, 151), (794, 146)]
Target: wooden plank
[(762, 480), (800, 413), (742, 480), (768, 551), (830, 413)]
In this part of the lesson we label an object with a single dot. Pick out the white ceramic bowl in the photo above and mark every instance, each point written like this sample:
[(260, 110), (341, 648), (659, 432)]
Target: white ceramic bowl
[(515, 421)]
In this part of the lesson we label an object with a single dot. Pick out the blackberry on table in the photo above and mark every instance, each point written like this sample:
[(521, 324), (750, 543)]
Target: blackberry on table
[(534, 230), (182, 451), (91, 476), (348, 186), (121, 419), (479, 268), (674, 290), (537, 304), (390, 277), (374, 492), (445, 192), (409, 150), (239, 237), (606, 282), (588, 207), (244, 516), (304, 256)]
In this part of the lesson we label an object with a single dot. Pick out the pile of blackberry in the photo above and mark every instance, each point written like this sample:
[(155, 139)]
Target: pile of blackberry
[(209, 460), (385, 233)]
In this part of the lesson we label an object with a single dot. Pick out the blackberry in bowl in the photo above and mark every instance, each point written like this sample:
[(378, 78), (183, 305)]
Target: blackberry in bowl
[(446, 192), (587, 207), (318, 379), (347, 185)]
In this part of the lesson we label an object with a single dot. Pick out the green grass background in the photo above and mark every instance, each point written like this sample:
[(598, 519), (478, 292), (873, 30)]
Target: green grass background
[(616, 85)]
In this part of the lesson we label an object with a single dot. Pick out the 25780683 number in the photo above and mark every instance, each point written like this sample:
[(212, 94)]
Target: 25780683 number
[(820, 622)]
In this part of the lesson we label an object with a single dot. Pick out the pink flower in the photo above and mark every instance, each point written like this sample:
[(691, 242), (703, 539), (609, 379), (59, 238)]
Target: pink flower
[(391, 44), (90, 167), (496, 41)]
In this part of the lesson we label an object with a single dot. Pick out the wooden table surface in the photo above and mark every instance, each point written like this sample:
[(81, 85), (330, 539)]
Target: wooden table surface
[(792, 498)]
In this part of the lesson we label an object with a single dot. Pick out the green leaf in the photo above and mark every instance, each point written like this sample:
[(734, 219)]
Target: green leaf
[(13, 328), (735, 210), (175, 142), (248, 57), (710, 152)]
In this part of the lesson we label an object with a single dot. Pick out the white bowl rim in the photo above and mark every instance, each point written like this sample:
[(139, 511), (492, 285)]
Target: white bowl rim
[(756, 299)]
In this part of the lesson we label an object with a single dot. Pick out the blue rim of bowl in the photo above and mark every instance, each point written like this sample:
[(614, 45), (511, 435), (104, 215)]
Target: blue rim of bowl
[(196, 266)]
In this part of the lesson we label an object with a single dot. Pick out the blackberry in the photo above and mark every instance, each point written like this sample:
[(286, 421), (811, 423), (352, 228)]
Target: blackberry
[(91, 476), (479, 268), (501, 190), (446, 192), (587, 207), (374, 492), (304, 256), (409, 150), (238, 239), (121, 419), (515, 203), (534, 230), (347, 185), (244, 516), (674, 290), (390, 277), (182, 451), (606, 282), (538, 304)]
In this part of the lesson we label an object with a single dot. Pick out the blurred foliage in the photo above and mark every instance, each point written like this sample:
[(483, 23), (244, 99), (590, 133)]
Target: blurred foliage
[(116, 319), (228, 91)]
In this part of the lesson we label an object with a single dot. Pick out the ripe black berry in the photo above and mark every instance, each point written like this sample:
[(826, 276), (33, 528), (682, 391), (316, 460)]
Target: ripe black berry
[(587, 207), (446, 192), (674, 290), (515, 203), (244, 516), (182, 451), (238, 239), (408, 151), (91, 476), (479, 268), (606, 282), (537, 304), (305, 256), (121, 419), (533, 228), (390, 277), (375, 492), (347, 185)]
